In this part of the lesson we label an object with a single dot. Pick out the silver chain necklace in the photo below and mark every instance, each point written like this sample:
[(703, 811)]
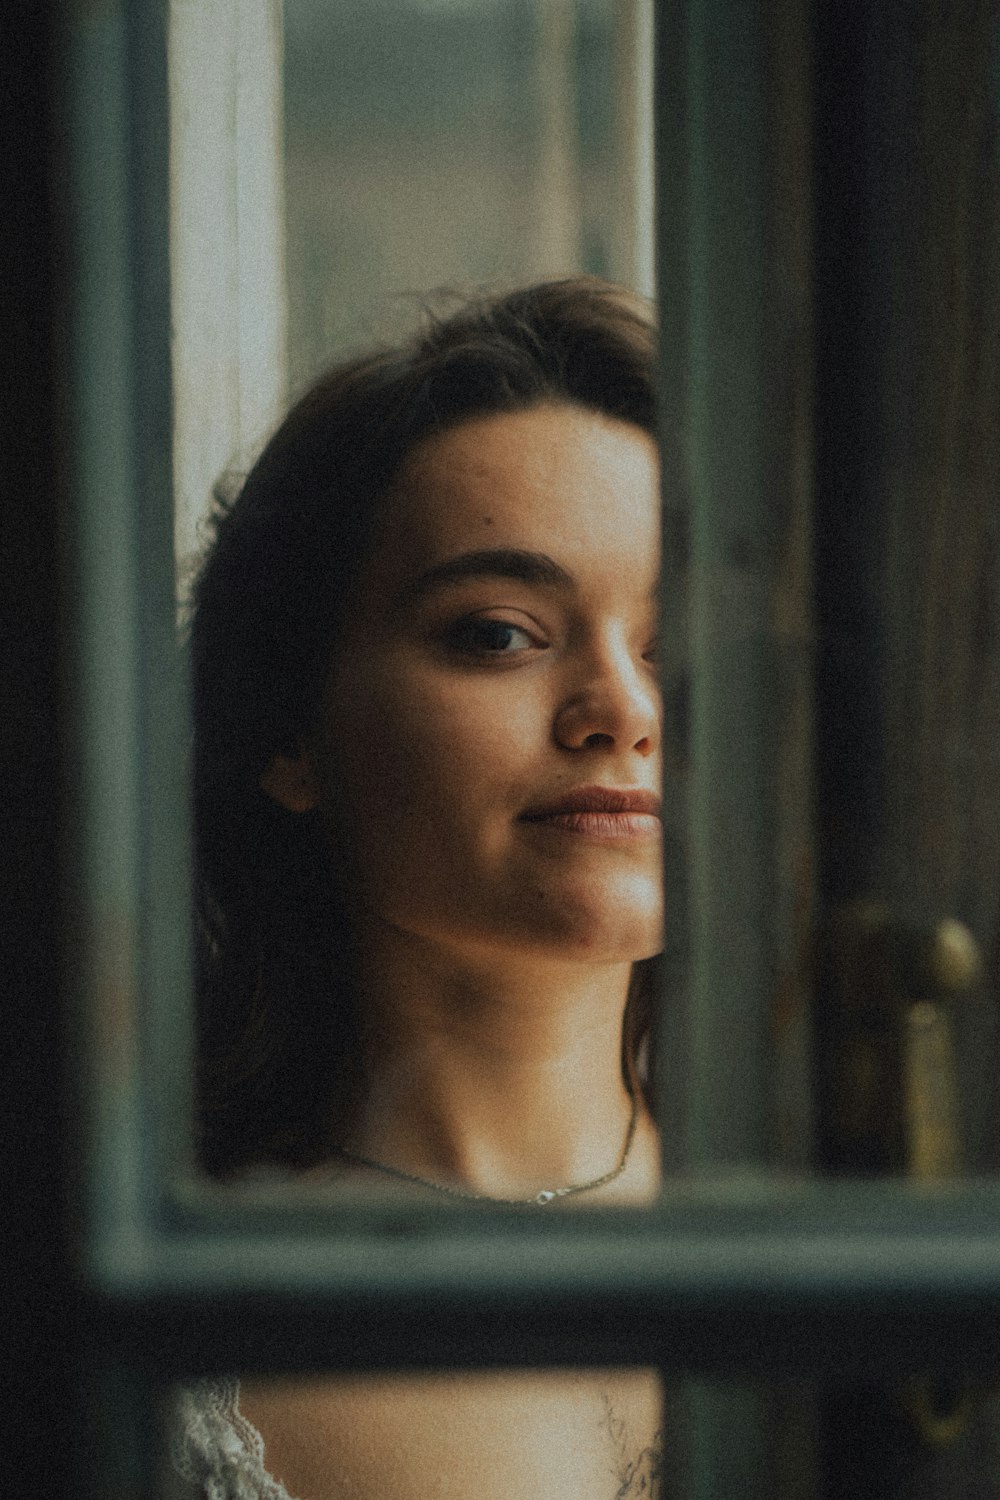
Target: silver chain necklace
[(547, 1195)]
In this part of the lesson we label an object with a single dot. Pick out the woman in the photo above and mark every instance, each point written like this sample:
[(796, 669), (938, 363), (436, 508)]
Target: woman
[(426, 778)]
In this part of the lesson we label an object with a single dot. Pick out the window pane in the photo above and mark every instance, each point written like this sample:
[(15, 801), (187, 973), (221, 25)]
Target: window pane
[(435, 143), (403, 147)]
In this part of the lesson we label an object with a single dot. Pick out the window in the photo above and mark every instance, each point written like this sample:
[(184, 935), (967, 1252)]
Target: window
[(737, 1270)]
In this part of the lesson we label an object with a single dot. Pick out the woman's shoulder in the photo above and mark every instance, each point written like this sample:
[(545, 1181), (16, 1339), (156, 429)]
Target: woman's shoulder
[(215, 1449)]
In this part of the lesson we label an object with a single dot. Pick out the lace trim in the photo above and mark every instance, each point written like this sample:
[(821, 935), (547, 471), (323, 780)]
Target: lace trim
[(217, 1449)]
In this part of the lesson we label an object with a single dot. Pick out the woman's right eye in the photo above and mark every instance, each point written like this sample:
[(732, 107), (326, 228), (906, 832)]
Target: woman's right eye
[(485, 637)]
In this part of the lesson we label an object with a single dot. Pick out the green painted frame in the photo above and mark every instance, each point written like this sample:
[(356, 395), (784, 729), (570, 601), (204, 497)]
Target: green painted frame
[(737, 1269)]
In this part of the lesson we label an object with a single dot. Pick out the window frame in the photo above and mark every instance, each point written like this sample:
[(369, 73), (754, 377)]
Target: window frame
[(736, 1270)]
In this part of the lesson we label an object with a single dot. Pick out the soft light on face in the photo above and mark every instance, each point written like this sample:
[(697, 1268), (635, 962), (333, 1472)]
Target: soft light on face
[(490, 741)]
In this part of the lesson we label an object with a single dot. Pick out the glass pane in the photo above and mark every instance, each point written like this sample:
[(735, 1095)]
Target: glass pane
[(421, 147), (425, 147), (441, 143)]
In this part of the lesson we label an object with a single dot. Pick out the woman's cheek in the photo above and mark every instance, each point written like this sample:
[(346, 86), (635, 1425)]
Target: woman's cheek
[(403, 754), (432, 760)]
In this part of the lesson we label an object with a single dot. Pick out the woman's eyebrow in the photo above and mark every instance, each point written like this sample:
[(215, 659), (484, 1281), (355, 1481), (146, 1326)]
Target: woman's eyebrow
[(497, 562)]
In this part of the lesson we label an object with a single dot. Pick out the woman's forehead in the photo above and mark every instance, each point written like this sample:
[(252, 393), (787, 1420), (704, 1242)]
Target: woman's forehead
[(550, 479)]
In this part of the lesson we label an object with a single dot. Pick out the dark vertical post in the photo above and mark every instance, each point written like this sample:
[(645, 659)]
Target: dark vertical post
[(864, 1447), (41, 1405), (848, 521), (906, 486), (727, 341), (732, 218)]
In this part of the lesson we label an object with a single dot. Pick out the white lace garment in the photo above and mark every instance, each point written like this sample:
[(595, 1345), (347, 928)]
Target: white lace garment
[(218, 1455), (216, 1449)]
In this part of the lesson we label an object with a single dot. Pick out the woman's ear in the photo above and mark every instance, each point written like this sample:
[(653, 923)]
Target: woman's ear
[(291, 781)]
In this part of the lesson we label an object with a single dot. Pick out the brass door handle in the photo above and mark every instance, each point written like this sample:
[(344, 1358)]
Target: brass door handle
[(887, 1076), (888, 1079), (938, 1411), (946, 965)]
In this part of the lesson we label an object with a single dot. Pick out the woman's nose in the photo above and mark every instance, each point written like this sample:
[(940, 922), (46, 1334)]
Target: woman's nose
[(617, 707)]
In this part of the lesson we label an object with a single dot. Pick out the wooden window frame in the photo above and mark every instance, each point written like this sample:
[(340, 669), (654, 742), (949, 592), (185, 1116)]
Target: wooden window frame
[(735, 1271)]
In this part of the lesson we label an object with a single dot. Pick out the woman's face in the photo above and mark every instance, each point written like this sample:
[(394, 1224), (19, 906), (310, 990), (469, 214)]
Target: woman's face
[(490, 740)]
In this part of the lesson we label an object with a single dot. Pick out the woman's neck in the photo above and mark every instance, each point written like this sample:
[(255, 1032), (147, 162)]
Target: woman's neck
[(498, 1077)]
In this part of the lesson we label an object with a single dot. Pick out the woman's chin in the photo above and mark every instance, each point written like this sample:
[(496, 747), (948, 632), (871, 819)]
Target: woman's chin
[(595, 920), (602, 930)]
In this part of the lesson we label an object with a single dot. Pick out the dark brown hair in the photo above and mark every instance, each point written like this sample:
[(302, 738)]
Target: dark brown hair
[(277, 1032)]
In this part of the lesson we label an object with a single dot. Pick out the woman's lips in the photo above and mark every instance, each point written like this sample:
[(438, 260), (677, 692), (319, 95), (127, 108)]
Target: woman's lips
[(600, 813)]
